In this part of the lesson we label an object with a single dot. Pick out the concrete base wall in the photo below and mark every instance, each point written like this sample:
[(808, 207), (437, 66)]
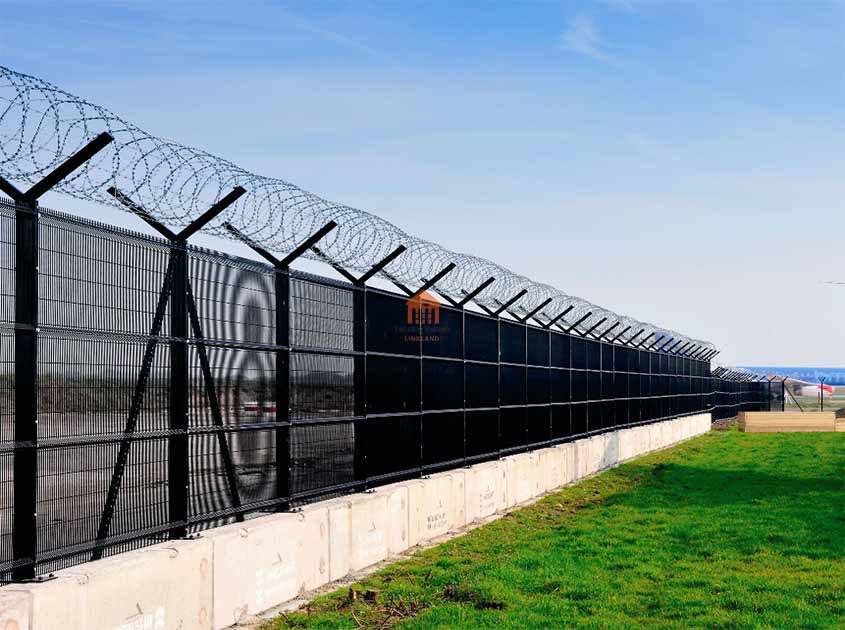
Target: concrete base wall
[(234, 572)]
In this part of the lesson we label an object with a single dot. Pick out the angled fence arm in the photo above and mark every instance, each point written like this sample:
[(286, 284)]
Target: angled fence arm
[(557, 317), (594, 326), (67, 167), (381, 264), (604, 334), (661, 348), (640, 344), (27, 283), (534, 311), (629, 342), (583, 319), (510, 302), (307, 244), (11, 190), (472, 294), (427, 284)]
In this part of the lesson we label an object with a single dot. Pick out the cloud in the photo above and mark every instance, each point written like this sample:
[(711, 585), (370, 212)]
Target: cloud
[(581, 36)]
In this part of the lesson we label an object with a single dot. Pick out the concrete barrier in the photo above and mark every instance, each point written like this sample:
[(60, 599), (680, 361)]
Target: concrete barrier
[(268, 560), (14, 610), (236, 571), (486, 490)]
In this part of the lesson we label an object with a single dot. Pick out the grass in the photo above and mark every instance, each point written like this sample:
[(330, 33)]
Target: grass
[(729, 530)]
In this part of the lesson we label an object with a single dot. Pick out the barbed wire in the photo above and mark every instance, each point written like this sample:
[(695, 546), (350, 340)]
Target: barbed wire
[(42, 125)]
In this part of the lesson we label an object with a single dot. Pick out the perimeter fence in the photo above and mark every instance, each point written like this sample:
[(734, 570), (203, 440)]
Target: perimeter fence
[(150, 389)]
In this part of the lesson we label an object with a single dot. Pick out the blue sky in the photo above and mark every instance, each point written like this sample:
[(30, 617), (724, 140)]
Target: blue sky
[(678, 162)]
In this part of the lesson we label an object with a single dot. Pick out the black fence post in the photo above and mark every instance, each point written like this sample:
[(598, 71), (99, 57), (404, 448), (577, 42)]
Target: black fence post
[(178, 452), (25, 525), (283, 444), (359, 384)]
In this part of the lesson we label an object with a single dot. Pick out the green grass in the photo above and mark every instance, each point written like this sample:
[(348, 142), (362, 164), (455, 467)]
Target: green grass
[(729, 530)]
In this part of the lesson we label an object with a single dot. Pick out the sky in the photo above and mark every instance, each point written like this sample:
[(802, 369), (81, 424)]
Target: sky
[(680, 163)]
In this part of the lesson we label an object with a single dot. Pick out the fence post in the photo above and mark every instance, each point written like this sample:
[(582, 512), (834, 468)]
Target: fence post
[(25, 525), (283, 459), (783, 395), (359, 346), (178, 452)]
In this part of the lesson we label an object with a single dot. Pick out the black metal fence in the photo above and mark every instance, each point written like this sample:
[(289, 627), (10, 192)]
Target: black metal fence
[(149, 389)]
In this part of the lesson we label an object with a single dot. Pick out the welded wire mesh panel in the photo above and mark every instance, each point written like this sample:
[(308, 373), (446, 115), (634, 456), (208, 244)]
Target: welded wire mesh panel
[(393, 324), (514, 432), (7, 506), (482, 385), (7, 263), (561, 421), (482, 433), (393, 385), (93, 386), (560, 350), (321, 315), (235, 298), (512, 385), (538, 346), (73, 483), (481, 338), (390, 446), (242, 387), (538, 424), (321, 386), (253, 471), (100, 279), (511, 342), (442, 438), (442, 384), (321, 456), (7, 386), (445, 337)]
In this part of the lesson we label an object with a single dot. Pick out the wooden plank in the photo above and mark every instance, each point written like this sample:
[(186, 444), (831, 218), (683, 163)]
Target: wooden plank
[(783, 422)]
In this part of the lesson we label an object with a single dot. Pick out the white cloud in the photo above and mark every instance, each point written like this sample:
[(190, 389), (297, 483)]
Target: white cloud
[(581, 36)]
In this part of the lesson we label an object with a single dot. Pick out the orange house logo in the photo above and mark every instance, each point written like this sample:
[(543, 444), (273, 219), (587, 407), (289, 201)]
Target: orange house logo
[(423, 309)]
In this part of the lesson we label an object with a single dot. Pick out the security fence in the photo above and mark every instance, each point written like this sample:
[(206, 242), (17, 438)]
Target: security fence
[(150, 389)]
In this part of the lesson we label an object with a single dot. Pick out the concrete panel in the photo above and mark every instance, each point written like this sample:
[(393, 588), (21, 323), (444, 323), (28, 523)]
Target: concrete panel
[(458, 501), (266, 561), (596, 453), (655, 436), (368, 529), (59, 603), (15, 609), (397, 517), (611, 450), (626, 444), (551, 462), (569, 462), (340, 532), (160, 587), (522, 477), (676, 431), (645, 439), (582, 457), (431, 511), (486, 490)]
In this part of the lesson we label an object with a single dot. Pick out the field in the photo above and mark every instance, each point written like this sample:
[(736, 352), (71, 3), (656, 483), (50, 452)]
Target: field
[(729, 530)]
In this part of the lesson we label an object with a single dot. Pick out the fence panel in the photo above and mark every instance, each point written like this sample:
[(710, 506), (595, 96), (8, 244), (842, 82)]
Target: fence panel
[(164, 369)]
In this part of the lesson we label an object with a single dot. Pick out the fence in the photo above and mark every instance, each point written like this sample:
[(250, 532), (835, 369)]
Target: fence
[(150, 389)]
